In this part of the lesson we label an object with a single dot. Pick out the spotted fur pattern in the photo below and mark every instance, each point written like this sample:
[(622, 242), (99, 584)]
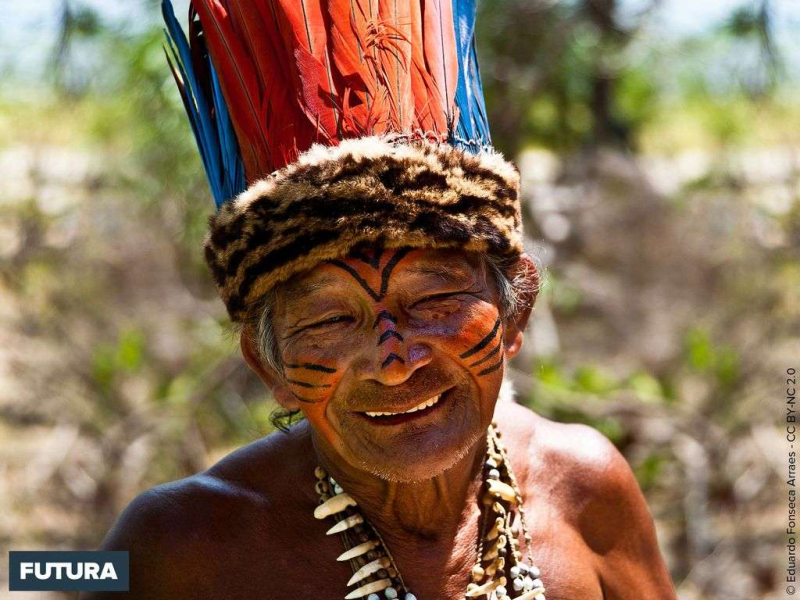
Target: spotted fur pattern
[(332, 200)]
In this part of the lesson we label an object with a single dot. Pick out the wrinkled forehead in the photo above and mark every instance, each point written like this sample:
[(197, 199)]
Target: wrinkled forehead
[(380, 272)]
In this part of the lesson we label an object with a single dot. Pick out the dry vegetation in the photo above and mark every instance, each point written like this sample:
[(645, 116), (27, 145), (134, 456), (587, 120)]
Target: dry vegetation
[(668, 314)]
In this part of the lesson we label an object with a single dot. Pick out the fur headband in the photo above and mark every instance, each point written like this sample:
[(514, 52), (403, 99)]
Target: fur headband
[(371, 190)]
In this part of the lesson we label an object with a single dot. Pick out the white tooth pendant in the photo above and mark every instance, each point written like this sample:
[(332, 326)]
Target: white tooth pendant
[(345, 524), (494, 550), (495, 530), (358, 550), (497, 565), (333, 505), (368, 569), (530, 595), (365, 590), (473, 591)]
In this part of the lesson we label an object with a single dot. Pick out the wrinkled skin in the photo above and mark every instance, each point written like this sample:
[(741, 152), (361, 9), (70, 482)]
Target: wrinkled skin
[(382, 332)]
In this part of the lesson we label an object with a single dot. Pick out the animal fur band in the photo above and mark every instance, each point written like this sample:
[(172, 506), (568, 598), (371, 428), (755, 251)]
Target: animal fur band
[(384, 190)]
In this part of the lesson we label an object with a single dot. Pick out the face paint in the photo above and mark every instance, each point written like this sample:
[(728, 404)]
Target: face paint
[(416, 334)]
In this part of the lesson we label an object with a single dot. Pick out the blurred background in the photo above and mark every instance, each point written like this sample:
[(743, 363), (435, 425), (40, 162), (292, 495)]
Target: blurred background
[(659, 142)]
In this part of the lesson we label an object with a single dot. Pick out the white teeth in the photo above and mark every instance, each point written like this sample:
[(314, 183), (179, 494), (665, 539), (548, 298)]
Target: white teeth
[(427, 404)]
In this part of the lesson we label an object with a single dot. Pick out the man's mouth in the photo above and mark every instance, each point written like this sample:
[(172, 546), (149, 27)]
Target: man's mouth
[(421, 406), (427, 406)]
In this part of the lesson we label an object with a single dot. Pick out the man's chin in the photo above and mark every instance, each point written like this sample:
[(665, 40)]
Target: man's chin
[(422, 461)]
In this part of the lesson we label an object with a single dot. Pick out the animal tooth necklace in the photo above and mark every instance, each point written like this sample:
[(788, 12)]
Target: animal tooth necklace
[(499, 561)]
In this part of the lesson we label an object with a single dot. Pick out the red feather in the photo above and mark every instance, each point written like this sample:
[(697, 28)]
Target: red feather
[(440, 51), (296, 72)]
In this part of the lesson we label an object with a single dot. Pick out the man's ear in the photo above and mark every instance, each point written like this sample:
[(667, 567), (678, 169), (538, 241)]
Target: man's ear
[(526, 270), (273, 380)]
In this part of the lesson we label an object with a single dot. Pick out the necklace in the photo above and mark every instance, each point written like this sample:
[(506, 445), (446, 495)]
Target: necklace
[(499, 560)]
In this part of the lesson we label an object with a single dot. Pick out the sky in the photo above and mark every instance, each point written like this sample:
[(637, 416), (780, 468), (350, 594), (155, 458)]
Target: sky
[(28, 28)]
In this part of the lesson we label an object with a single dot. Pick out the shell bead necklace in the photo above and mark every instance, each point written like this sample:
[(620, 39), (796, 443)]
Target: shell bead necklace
[(500, 571)]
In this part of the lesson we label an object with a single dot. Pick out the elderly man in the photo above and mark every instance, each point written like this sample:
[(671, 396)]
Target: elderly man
[(380, 284)]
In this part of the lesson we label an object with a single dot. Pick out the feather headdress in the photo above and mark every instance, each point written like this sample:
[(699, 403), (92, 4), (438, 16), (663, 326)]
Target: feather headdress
[(349, 122)]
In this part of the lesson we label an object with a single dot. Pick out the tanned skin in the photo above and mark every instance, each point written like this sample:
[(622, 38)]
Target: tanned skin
[(382, 331)]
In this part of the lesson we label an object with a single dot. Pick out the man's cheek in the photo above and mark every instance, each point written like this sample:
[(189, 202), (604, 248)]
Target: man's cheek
[(311, 379), (478, 344)]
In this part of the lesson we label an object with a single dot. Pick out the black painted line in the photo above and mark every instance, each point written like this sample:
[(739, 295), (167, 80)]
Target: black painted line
[(492, 368), (387, 270), (361, 281), (384, 315), (305, 384), (491, 353), (392, 357), (373, 262), (310, 367), (484, 342), (387, 334)]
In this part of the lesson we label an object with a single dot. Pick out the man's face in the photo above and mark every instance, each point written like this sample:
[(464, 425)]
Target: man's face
[(370, 337)]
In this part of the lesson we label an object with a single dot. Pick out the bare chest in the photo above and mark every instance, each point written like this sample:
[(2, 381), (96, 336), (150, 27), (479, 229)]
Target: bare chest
[(295, 559)]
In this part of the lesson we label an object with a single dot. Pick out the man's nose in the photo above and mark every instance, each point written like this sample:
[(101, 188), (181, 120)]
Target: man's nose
[(394, 357)]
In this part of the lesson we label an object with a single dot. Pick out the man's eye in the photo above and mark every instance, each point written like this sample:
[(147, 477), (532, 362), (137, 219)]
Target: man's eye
[(433, 298), (330, 321)]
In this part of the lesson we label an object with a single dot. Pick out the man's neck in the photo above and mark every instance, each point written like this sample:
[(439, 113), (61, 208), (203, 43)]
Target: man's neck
[(431, 521)]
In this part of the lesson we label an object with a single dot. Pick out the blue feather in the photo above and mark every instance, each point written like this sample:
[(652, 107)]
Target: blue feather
[(472, 128), (209, 118)]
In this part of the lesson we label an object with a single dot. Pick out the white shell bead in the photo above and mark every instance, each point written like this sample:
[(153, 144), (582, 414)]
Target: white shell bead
[(333, 505), (502, 490), (365, 590)]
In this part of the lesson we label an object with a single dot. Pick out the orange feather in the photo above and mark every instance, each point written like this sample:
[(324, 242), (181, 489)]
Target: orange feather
[(296, 72)]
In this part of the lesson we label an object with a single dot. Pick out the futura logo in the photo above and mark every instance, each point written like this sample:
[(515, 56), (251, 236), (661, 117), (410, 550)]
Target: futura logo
[(68, 571)]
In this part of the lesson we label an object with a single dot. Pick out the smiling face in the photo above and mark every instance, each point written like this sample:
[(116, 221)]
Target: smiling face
[(395, 357)]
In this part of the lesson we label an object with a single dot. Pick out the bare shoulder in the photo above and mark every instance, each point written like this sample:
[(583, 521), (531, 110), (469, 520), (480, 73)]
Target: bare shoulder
[(579, 467), (176, 532), (572, 452), (591, 485)]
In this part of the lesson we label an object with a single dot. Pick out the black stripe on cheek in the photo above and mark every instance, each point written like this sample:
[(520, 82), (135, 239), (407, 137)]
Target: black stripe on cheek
[(310, 367), (491, 368), (388, 334), (391, 358), (484, 342), (305, 384), (491, 353)]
